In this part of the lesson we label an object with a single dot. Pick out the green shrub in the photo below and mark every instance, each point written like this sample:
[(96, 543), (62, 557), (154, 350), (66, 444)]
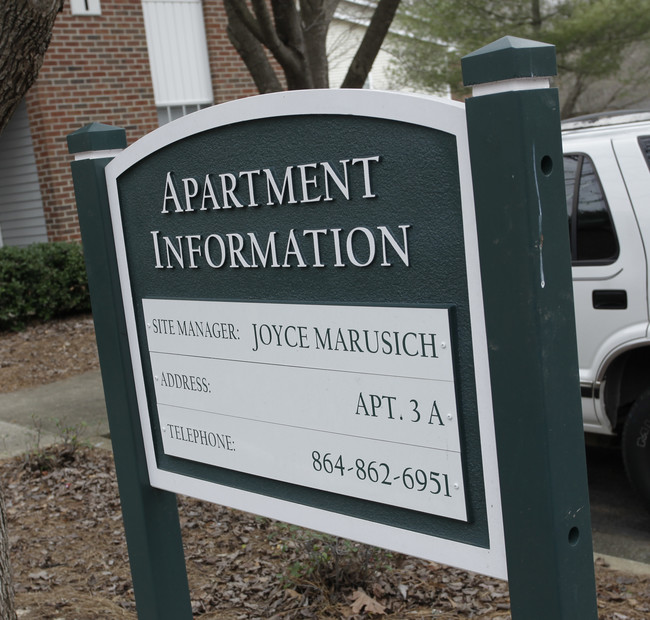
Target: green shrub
[(41, 282)]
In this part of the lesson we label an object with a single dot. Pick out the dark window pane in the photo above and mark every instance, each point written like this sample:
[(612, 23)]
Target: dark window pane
[(644, 143), (596, 239), (570, 174)]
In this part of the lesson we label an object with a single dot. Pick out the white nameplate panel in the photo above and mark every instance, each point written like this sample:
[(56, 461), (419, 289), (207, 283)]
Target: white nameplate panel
[(355, 400)]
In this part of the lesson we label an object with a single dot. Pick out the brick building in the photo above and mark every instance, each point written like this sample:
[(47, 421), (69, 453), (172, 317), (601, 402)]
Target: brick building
[(134, 64), (129, 63)]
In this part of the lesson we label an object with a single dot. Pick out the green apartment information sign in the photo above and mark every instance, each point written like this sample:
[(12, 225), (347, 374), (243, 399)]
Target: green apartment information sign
[(302, 292)]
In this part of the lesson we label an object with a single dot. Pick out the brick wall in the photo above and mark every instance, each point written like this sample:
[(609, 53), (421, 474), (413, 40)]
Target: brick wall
[(230, 78), (96, 69)]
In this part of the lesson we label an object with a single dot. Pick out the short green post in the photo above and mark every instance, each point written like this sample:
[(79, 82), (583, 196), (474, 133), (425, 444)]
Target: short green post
[(150, 516), (516, 155)]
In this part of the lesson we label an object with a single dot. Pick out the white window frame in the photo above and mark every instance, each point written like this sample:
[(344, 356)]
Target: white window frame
[(178, 56)]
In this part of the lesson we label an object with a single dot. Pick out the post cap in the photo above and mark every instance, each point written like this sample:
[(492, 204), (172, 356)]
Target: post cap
[(96, 137), (509, 58)]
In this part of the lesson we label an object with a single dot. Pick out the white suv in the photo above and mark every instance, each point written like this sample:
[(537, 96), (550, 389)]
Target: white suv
[(607, 172)]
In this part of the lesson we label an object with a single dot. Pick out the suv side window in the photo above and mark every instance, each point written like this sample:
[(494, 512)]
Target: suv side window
[(644, 143), (591, 230)]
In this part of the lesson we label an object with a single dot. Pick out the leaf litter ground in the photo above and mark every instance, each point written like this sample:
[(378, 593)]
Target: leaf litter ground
[(69, 552)]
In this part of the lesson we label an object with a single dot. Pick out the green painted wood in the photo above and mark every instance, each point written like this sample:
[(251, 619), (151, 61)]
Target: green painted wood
[(517, 168), (423, 162), (96, 137), (508, 58), (150, 516)]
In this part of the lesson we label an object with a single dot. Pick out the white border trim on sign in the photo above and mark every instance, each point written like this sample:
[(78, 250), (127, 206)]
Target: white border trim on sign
[(432, 112)]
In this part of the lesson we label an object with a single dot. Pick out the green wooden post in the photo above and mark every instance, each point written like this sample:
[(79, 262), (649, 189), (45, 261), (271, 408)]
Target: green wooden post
[(150, 516), (516, 155)]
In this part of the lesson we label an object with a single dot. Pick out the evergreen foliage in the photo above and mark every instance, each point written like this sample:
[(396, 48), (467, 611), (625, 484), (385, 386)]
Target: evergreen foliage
[(602, 46), (41, 282)]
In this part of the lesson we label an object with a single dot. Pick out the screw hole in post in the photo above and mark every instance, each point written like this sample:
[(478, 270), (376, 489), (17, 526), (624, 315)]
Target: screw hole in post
[(574, 536), (547, 165)]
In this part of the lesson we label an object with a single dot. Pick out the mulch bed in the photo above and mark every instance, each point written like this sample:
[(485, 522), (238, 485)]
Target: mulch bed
[(70, 559)]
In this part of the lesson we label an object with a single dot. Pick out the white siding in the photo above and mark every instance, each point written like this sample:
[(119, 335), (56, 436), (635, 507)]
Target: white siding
[(21, 207), (178, 52)]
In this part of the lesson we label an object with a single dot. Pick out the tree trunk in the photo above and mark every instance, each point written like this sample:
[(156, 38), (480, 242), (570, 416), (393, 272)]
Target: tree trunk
[(296, 35), (316, 19), (251, 31), (287, 40), (569, 106), (536, 16), (372, 40), (25, 32), (251, 52), (7, 610)]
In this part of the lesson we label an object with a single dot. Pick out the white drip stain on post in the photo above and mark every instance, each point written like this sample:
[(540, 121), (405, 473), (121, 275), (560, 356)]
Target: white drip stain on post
[(541, 232)]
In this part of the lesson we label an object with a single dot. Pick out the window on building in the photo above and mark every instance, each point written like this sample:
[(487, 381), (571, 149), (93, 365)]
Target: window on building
[(591, 230), (178, 55), (167, 114), (85, 7)]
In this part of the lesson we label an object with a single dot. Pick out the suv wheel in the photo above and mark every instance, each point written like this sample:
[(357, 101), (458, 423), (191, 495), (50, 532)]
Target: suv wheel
[(636, 446)]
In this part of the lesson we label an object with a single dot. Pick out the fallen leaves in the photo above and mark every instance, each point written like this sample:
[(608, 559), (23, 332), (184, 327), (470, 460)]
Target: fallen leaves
[(364, 603), (70, 561), (47, 352)]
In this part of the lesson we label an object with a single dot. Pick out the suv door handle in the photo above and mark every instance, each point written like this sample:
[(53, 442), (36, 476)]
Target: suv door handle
[(609, 300)]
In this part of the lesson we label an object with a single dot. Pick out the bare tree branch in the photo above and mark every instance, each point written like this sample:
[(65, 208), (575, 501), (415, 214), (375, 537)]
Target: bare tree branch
[(287, 23), (251, 51), (238, 9), (576, 89), (372, 40), (314, 12), (290, 58), (316, 19), (295, 34)]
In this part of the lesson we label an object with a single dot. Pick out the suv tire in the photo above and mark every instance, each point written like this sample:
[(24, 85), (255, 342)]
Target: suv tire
[(636, 446)]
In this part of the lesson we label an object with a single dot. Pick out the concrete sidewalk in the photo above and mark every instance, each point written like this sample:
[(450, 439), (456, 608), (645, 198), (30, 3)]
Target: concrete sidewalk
[(37, 417)]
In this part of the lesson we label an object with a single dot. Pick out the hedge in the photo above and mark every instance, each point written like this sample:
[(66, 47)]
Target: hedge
[(41, 282)]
